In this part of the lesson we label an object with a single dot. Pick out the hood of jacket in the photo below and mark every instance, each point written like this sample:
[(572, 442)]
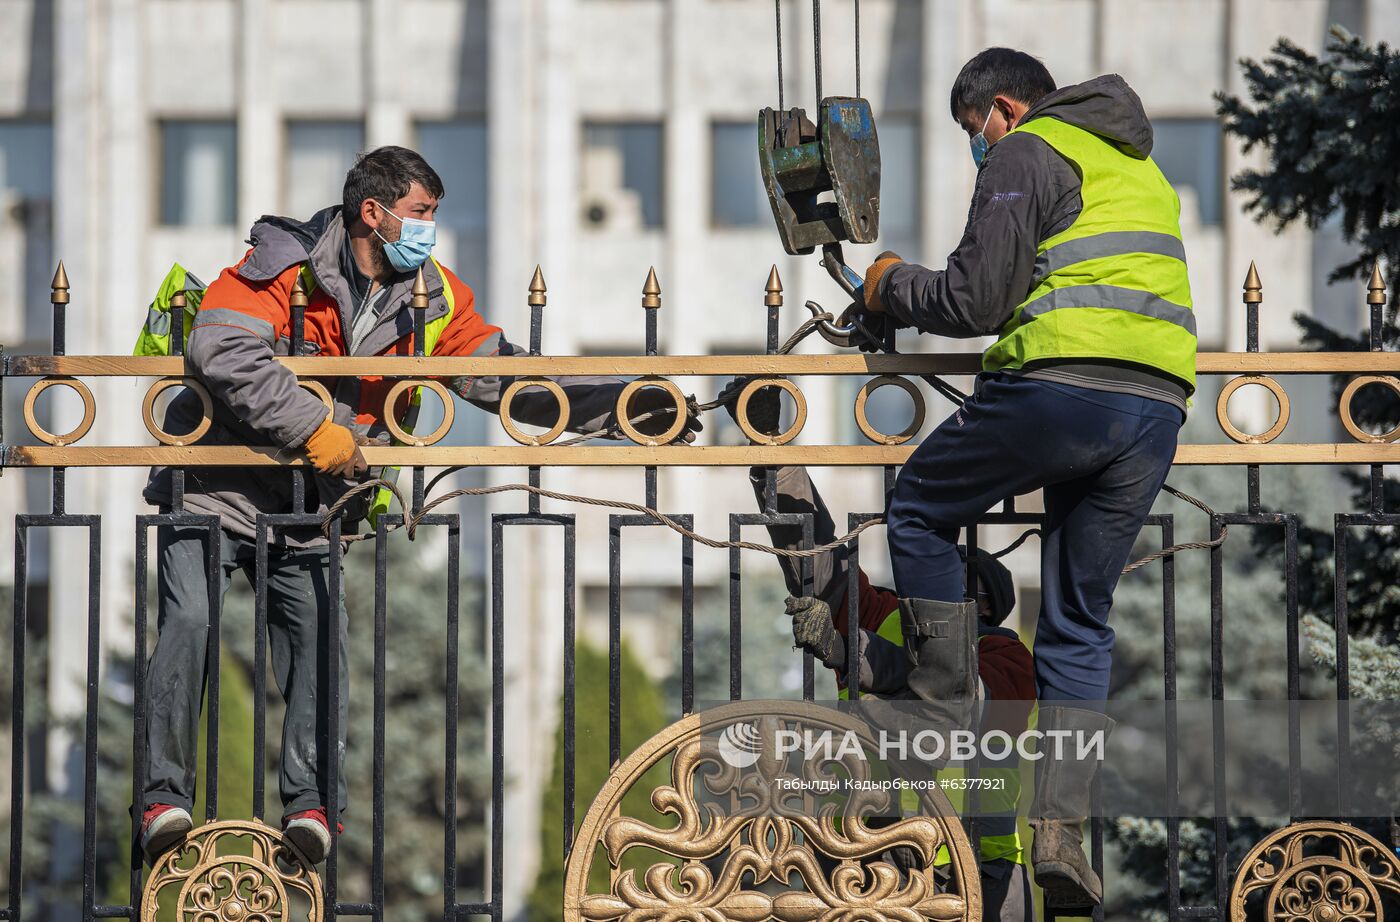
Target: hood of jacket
[(1106, 106)]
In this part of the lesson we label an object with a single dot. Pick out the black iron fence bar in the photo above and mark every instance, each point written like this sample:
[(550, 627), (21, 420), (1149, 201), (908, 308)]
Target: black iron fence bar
[(615, 525), (1344, 522), (1217, 693), (737, 521), (1289, 523), (499, 522), (23, 524), (1166, 523), (140, 625)]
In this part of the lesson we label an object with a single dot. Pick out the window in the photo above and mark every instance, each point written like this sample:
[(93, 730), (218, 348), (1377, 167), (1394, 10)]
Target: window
[(198, 178), (318, 156), (1188, 151), (26, 230), (622, 176), (900, 187), (737, 198), (457, 151)]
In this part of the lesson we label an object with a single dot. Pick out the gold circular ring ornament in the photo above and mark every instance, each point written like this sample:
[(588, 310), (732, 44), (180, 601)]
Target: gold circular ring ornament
[(320, 390), (741, 411), (233, 871), (1222, 404), (514, 431), (624, 420), (78, 431), (401, 434), (886, 438), (148, 411), (1344, 408)]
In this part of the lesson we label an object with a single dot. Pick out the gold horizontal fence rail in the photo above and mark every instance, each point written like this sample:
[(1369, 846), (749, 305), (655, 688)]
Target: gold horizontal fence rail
[(1252, 367), (944, 363), (1381, 368)]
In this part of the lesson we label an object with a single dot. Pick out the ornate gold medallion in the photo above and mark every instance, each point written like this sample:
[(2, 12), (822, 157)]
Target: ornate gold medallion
[(234, 871), (749, 842), (1316, 872)]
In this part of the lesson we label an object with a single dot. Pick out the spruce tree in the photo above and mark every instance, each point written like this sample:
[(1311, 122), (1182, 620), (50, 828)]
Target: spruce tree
[(1328, 127)]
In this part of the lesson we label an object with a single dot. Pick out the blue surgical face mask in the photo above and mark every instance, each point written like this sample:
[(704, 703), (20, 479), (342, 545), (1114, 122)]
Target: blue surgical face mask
[(980, 145), (415, 243)]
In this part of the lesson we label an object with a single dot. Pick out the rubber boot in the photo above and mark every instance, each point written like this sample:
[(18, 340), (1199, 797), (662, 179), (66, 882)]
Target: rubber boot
[(941, 641), (1062, 803)]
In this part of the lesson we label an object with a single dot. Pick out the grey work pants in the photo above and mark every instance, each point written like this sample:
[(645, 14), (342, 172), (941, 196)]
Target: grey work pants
[(298, 628)]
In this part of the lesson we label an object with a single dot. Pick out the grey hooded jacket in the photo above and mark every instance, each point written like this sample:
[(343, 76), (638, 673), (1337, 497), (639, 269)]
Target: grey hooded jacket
[(1026, 192), (257, 401)]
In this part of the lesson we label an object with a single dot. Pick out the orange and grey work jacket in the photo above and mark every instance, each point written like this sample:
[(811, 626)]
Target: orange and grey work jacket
[(244, 321)]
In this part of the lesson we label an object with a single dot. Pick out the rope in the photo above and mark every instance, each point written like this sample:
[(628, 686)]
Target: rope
[(412, 521), (857, 48), (778, 11), (1189, 546), (817, 46)]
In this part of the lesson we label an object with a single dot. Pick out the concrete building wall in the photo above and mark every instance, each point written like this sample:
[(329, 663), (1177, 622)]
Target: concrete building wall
[(557, 95)]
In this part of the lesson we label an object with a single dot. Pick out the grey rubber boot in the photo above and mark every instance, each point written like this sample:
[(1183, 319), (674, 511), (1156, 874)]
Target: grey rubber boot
[(1063, 789), (941, 640)]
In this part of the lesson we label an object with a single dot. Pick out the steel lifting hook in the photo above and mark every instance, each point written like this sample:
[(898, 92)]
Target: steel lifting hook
[(843, 335)]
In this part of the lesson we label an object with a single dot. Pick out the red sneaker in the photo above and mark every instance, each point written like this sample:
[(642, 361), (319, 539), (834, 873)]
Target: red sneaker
[(310, 833), (162, 825)]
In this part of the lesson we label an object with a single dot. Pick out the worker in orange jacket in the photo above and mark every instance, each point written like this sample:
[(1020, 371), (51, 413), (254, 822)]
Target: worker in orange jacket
[(358, 261)]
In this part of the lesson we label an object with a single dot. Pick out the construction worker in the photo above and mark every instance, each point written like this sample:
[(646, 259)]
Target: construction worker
[(821, 626), (1072, 257), (358, 261)]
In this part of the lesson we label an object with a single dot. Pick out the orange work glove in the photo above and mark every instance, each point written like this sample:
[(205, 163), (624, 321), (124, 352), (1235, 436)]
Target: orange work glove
[(883, 263), (332, 450)]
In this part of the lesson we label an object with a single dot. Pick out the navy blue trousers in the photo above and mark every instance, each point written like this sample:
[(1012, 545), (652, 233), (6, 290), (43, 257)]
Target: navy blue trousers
[(1101, 459)]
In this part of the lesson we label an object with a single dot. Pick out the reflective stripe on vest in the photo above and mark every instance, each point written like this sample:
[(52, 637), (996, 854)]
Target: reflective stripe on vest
[(1000, 837), (1113, 285), (432, 332)]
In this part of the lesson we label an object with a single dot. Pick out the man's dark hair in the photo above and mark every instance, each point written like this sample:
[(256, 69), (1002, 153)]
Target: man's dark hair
[(999, 72), (385, 175)]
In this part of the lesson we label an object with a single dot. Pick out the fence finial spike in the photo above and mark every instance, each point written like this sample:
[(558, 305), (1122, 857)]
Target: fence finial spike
[(59, 295), (1253, 288), (537, 288), (420, 291), (299, 298), (1375, 289), (651, 291), (774, 289)]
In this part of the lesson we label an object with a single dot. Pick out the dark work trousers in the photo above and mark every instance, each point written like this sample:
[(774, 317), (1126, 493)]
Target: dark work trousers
[(1101, 459), (298, 627)]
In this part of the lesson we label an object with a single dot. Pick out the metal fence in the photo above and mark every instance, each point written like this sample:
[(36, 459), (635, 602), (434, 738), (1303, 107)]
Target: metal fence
[(59, 452)]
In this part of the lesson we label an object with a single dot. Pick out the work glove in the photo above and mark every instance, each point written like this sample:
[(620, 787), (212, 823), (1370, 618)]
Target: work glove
[(655, 400), (765, 406), (813, 630), (882, 264), (332, 449), (875, 325)]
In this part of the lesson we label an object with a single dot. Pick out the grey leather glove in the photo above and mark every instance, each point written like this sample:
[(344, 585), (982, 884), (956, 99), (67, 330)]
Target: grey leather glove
[(655, 400), (765, 406), (814, 631)]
